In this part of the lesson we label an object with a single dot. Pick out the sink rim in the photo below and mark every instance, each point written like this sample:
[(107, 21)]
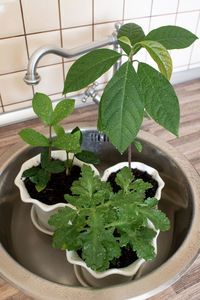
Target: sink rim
[(146, 286)]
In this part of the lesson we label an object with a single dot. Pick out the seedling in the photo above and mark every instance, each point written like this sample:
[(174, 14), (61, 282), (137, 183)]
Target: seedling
[(133, 93), (100, 213)]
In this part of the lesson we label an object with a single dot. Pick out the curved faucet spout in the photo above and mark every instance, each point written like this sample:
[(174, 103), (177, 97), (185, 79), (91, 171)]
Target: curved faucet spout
[(33, 78)]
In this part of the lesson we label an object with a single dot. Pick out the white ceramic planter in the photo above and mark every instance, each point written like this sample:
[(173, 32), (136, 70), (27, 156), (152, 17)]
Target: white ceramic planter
[(132, 269), (42, 210), (140, 166)]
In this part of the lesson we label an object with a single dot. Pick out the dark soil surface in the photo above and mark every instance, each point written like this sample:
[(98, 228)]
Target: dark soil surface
[(138, 175), (57, 187), (128, 256)]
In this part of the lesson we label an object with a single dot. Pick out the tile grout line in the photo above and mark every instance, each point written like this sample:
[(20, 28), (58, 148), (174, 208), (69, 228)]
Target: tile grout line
[(123, 11), (151, 9), (25, 36), (61, 39), (176, 12), (197, 25)]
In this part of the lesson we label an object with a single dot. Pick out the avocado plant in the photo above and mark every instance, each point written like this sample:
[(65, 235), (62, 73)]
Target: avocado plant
[(133, 93), (104, 222), (42, 107)]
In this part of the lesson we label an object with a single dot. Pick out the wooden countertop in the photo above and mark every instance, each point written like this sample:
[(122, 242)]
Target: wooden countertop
[(188, 143)]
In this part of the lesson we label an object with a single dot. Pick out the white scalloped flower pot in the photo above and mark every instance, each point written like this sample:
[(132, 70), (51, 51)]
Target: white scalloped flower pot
[(132, 269), (42, 210)]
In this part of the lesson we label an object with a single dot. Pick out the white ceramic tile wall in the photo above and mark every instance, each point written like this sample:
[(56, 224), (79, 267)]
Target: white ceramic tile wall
[(27, 25)]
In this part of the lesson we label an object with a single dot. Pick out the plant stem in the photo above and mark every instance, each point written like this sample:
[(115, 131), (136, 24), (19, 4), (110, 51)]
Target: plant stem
[(50, 141), (67, 167), (129, 156), (72, 163)]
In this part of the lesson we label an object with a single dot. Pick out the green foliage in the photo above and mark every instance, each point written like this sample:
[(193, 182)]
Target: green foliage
[(138, 145), (161, 102), (40, 175), (88, 157), (99, 213), (121, 109), (172, 37), (33, 138), (88, 68)]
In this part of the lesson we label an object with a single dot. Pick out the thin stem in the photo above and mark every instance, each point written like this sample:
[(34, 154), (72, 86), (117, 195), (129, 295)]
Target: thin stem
[(67, 167), (50, 141), (72, 162), (129, 156)]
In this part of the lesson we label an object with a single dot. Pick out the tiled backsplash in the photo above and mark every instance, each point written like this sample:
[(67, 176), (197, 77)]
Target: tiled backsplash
[(26, 25)]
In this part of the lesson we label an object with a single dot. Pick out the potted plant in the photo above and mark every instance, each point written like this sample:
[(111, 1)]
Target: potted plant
[(44, 179), (108, 233)]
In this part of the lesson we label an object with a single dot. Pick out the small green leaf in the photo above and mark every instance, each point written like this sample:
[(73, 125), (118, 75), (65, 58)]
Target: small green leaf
[(88, 157), (56, 166), (161, 102), (30, 172), (124, 177), (157, 217), (133, 32), (151, 202), (59, 130), (44, 157), (138, 145), (88, 68), (125, 40), (81, 135), (172, 37), (62, 110), (33, 138), (42, 107), (68, 142), (160, 55), (40, 179), (122, 107)]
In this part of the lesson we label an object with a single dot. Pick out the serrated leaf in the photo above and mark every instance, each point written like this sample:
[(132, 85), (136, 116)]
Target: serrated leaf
[(123, 178), (151, 202), (88, 68), (138, 145), (88, 157), (160, 55), (62, 218), (68, 142), (59, 130), (134, 33), (157, 217), (172, 37), (56, 166), (160, 98), (62, 110), (44, 157), (42, 107), (122, 107), (33, 138), (30, 172)]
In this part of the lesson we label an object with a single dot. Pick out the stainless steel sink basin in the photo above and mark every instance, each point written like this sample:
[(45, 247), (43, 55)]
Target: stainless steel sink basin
[(28, 261)]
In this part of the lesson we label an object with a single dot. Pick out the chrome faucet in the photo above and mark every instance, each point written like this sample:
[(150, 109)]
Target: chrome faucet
[(33, 78)]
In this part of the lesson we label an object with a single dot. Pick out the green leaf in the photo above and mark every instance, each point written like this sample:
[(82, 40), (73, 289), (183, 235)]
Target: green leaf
[(138, 145), (161, 101), (81, 135), (160, 55), (33, 138), (122, 107), (68, 142), (133, 32), (157, 217), (44, 157), (88, 68), (125, 40), (62, 110), (42, 107), (56, 166), (151, 202), (40, 179), (172, 37), (30, 172), (59, 130), (88, 157), (124, 177)]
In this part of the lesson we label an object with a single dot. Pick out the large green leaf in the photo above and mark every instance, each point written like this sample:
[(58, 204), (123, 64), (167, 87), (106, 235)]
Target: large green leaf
[(69, 142), (62, 110), (88, 157), (160, 55), (161, 101), (33, 138), (122, 107), (42, 107), (88, 68), (172, 37), (133, 32)]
